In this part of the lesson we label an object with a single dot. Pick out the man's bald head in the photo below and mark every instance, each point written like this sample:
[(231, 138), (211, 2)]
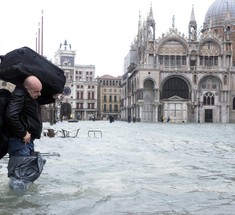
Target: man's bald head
[(33, 85)]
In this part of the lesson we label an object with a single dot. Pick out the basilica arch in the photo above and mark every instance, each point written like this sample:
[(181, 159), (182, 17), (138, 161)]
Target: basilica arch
[(175, 95), (210, 97), (148, 113)]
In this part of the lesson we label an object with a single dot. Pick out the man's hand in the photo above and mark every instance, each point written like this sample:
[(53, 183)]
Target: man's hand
[(27, 138)]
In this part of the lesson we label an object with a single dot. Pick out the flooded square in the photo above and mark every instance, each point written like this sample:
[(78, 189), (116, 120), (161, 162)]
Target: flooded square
[(133, 169)]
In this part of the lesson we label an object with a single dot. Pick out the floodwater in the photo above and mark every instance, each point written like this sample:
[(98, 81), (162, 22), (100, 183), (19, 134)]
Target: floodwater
[(133, 169)]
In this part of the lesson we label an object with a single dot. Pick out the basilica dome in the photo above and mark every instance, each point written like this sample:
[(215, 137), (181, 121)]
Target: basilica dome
[(217, 13)]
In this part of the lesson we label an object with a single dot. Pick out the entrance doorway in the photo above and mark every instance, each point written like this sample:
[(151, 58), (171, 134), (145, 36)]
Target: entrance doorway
[(208, 115)]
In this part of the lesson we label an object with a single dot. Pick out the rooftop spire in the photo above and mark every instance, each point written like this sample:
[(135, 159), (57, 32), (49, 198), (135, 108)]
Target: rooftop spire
[(150, 16), (192, 26), (228, 16), (192, 19)]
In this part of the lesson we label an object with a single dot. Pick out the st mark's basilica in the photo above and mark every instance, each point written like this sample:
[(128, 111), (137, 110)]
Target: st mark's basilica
[(183, 78)]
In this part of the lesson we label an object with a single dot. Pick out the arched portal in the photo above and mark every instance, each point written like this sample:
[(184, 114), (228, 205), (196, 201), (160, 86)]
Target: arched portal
[(148, 98), (175, 86), (210, 107), (175, 96)]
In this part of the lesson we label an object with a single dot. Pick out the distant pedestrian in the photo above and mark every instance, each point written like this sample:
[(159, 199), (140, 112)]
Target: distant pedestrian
[(168, 119), (111, 119), (129, 118), (134, 119)]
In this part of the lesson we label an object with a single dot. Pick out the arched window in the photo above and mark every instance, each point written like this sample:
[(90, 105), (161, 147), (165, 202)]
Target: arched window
[(148, 84), (208, 99), (175, 87)]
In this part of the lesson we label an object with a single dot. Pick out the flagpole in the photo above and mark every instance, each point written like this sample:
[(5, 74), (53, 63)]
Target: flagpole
[(42, 35), (39, 38), (36, 43)]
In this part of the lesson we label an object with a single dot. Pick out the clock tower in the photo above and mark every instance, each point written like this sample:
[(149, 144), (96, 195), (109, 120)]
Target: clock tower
[(80, 90), (64, 55)]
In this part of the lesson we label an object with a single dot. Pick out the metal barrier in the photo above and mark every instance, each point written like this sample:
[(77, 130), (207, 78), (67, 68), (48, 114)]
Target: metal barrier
[(94, 131)]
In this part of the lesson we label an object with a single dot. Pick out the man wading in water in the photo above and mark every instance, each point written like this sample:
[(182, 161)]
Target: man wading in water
[(24, 119)]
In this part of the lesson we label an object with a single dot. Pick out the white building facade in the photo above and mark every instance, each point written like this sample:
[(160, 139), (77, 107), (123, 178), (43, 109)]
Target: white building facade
[(183, 78), (80, 91)]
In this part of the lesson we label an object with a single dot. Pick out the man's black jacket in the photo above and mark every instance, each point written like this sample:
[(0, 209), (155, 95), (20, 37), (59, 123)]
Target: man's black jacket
[(23, 113)]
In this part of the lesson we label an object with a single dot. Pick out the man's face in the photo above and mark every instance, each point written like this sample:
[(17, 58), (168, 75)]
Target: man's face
[(35, 91)]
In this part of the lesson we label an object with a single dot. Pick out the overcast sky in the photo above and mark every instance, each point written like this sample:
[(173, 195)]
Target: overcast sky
[(101, 31)]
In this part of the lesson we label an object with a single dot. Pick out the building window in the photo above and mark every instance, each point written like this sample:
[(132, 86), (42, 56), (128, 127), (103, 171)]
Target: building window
[(233, 103), (208, 99), (172, 60), (225, 80), (216, 61), (105, 108), (91, 105), (166, 60), (79, 105), (210, 61), (115, 108), (201, 60), (110, 98), (178, 60), (110, 108), (104, 98), (206, 61), (161, 60)]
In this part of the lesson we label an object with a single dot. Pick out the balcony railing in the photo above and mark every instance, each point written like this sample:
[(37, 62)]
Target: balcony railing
[(181, 67)]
